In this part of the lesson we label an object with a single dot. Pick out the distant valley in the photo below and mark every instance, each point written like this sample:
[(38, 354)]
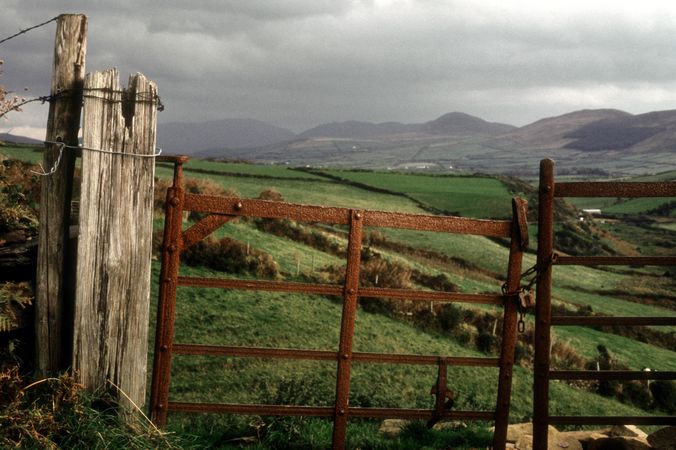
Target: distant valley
[(600, 142)]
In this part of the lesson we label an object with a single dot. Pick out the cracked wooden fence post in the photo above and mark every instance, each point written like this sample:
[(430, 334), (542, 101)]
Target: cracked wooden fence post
[(53, 306), (110, 343)]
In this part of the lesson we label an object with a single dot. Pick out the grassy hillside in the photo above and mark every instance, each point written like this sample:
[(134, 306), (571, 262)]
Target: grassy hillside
[(472, 196), (464, 263), (479, 264)]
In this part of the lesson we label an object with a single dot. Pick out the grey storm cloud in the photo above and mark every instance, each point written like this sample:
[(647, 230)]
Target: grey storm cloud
[(302, 62)]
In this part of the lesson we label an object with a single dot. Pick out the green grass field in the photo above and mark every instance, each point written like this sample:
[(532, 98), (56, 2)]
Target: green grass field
[(480, 197), (230, 317), (23, 153)]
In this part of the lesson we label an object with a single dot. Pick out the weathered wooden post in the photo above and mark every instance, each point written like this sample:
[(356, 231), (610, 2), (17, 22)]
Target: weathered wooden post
[(115, 243), (53, 322)]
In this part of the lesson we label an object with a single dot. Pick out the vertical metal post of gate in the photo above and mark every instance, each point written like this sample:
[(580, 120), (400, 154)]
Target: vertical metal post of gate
[(548, 191), (219, 210)]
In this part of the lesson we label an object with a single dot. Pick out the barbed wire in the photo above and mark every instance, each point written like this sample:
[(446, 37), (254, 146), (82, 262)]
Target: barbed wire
[(17, 107), (142, 97), (53, 19)]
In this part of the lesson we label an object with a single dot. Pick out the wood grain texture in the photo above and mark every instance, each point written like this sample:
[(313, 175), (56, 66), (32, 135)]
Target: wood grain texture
[(53, 306), (114, 249)]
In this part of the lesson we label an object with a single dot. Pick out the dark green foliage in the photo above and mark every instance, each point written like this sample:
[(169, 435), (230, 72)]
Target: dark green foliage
[(487, 343), (450, 317), (231, 256), (578, 241), (664, 395), (19, 194), (637, 393)]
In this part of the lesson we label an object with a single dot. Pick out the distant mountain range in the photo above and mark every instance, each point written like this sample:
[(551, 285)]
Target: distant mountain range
[(605, 140), (8, 137)]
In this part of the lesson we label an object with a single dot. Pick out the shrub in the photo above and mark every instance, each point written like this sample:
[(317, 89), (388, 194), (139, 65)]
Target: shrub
[(487, 343), (636, 393), (232, 256), (450, 317), (664, 395), (271, 194), (19, 194), (14, 297)]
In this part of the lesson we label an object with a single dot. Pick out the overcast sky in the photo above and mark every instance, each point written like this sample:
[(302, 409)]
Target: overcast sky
[(299, 63)]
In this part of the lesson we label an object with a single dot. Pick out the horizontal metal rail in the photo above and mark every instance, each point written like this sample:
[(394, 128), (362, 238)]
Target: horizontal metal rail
[(327, 355), (615, 189), (612, 320), (615, 260), (612, 420), (337, 290), (341, 216), (610, 375), (325, 411)]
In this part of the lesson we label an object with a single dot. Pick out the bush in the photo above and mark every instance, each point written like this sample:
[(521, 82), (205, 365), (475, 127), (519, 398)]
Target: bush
[(664, 395), (636, 393), (232, 256), (487, 343), (271, 194), (450, 317), (19, 195)]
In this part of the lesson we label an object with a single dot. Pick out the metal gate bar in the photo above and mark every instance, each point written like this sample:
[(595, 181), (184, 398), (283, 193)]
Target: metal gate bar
[(220, 210), (548, 190)]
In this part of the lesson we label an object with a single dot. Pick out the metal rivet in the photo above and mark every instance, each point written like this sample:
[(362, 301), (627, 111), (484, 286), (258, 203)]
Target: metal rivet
[(345, 356), (357, 216), (164, 348), (172, 248), (341, 412), (351, 291), (238, 206), (173, 201), (160, 406)]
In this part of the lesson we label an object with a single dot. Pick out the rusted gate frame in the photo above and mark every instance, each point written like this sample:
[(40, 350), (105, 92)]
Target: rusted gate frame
[(222, 209), (548, 190)]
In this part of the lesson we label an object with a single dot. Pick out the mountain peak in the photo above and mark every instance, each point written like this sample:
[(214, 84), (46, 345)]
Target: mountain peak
[(457, 123)]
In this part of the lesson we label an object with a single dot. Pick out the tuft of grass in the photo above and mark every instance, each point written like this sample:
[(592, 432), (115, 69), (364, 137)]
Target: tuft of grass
[(56, 413)]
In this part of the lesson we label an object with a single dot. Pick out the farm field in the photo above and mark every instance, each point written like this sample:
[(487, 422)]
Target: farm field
[(309, 252), (471, 196), (245, 323)]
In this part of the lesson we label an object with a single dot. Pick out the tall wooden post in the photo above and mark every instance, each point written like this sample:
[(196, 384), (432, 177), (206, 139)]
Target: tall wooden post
[(115, 245), (53, 316)]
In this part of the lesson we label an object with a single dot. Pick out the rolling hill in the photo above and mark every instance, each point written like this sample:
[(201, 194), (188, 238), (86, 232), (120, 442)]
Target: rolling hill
[(599, 142)]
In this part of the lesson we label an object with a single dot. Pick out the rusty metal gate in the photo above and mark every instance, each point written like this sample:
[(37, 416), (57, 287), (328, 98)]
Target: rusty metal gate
[(548, 191), (220, 210)]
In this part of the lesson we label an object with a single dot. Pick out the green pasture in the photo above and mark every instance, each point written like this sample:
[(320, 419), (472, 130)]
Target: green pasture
[(231, 317), (268, 170), (480, 197), (26, 153)]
